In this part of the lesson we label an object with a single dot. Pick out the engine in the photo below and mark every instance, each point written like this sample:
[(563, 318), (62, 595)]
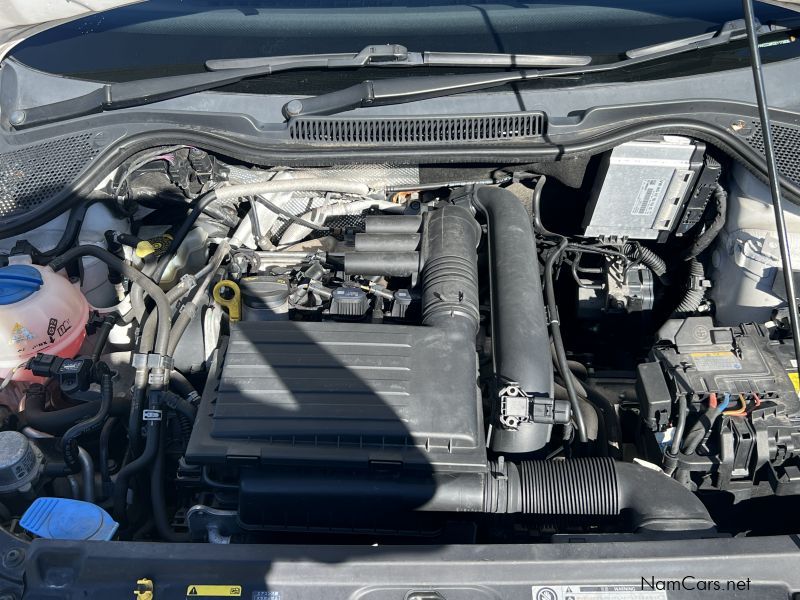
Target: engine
[(348, 389), (221, 352)]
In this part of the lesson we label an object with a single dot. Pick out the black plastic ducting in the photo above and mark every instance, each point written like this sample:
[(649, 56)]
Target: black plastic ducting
[(450, 272), (599, 486), (519, 324), (648, 499)]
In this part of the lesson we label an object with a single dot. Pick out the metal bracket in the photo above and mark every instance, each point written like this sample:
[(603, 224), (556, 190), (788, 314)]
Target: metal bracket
[(218, 525), (152, 361)]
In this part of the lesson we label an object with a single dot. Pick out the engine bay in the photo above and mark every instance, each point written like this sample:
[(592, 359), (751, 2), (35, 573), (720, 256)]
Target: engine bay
[(209, 350)]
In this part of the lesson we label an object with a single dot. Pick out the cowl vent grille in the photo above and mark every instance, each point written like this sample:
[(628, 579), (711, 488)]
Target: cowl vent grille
[(786, 141), (417, 130), (32, 176)]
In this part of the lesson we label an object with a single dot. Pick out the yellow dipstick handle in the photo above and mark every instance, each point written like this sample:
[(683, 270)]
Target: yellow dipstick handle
[(234, 300)]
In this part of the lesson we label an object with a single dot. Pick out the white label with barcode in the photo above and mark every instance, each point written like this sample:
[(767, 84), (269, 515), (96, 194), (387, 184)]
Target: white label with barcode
[(648, 197)]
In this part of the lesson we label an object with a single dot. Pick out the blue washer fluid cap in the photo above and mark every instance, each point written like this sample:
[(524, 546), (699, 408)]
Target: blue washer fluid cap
[(65, 519), (17, 282)]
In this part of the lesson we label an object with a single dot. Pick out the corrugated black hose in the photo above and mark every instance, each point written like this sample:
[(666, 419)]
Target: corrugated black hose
[(704, 240)]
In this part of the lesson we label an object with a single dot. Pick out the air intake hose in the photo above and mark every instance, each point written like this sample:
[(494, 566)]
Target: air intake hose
[(596, 486), (519, 325), (450, 272)]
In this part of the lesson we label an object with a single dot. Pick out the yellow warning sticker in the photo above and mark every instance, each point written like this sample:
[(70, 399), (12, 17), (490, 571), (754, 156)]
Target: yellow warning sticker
[(716, 361), (214, 591), (795, 381)]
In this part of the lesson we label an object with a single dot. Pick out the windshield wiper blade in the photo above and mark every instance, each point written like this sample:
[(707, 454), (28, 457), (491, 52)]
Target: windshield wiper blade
[(395, 55), (113, 96), (410, 89)]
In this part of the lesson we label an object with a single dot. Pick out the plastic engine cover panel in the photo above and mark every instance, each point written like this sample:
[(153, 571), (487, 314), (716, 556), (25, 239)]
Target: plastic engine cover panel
[(346, 394)]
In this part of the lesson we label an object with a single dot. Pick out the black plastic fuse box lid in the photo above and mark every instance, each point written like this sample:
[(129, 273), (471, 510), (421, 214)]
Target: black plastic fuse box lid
[(702, 358), (342, 394)]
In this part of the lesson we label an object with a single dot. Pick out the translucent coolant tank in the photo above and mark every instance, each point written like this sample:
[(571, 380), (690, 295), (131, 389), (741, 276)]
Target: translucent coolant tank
[(40, 311)]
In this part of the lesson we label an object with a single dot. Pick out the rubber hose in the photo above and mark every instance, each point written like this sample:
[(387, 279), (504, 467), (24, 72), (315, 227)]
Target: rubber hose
[(147, 337), (199, 298), (134, 418), (136, 276), (693, 297), (598, 398), (56, 422), (180, 234), (590, 419), (69, 441), (139, 463), (704, 240), (558, 342), (87, 475), (578, 369), (102, 336), (181, 386), (180, 405), (105, 437), (683, 409), (602, 486), (588, 411), (158, 498), (71, 231), (137, 298)]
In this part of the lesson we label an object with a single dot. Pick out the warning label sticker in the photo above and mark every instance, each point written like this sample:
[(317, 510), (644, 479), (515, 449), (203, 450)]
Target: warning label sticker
[(649, 197), (214, 591), (795, 379), (595, 592), (716, 361)]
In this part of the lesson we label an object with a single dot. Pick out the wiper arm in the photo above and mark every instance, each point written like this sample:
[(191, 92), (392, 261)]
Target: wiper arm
[(728, 32), (410, 89), (114, 96)]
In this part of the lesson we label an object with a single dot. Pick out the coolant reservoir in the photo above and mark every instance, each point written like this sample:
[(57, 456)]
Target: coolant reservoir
[(40, 311)]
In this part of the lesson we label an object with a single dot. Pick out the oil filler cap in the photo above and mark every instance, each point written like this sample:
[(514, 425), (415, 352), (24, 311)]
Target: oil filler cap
[(17, 282), (65, 519)]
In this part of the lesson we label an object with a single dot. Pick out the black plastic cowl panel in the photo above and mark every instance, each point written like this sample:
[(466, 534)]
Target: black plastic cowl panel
[(418, 130)]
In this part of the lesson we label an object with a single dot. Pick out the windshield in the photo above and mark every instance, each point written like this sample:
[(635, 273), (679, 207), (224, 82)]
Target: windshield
[(167, 37)]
